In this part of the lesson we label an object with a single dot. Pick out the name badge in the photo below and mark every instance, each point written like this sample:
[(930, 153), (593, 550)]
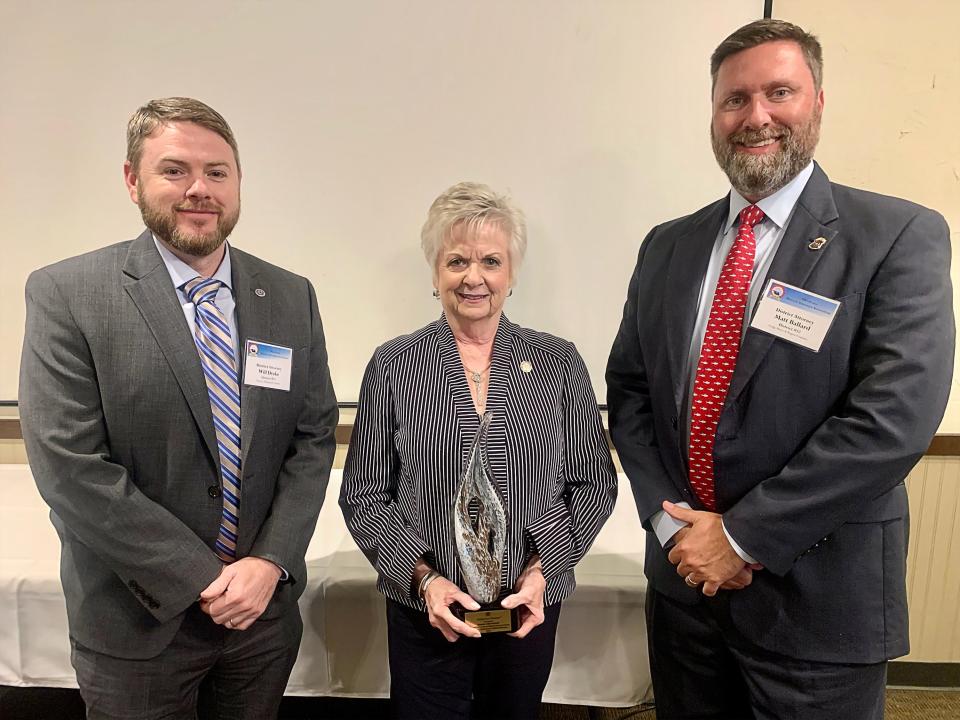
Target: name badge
[(794, 314), (267, 365)]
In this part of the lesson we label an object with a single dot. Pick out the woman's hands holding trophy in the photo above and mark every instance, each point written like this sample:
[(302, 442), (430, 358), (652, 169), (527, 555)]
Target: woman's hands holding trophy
[(528, 597), (439, 594)]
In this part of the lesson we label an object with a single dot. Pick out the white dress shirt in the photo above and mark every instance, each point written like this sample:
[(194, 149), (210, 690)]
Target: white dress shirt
[(777, 209)]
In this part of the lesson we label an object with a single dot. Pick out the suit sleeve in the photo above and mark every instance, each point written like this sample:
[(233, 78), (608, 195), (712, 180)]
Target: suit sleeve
[(370, 486), (630, 408), (900, 375), (302, 481), (163, 562), (563, 534)]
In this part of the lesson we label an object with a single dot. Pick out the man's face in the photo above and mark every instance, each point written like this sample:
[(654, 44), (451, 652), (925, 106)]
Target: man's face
[(187, 187), (766, 117)]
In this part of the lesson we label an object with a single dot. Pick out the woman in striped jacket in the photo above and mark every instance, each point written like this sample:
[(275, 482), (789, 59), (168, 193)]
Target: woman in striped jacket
[(422, 400)]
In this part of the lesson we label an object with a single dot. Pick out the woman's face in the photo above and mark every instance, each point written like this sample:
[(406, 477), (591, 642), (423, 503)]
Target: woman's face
[(473, 273)]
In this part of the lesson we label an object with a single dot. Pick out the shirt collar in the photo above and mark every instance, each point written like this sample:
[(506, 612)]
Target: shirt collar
[(778, 206), (181, 273)]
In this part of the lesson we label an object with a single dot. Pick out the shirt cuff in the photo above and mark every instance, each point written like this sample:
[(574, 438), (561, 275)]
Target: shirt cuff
[(744, 555), (665, 526)]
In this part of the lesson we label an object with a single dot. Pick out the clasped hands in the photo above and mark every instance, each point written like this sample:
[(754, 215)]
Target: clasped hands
[(703, 555), (241, 592), (527, 597)]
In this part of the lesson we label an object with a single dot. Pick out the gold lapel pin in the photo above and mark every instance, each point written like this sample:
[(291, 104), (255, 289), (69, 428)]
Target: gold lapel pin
[(260, 292), (818, 243), (526, 366)]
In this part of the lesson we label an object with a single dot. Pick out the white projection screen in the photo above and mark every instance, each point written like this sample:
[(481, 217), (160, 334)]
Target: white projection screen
[(351, 118)]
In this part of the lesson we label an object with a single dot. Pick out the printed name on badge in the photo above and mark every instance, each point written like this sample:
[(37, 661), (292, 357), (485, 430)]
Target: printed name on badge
[(267, 365), (794, 314)]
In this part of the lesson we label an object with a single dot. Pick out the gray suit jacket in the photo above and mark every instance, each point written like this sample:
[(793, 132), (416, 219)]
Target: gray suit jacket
[(812, 448), (120, 439)]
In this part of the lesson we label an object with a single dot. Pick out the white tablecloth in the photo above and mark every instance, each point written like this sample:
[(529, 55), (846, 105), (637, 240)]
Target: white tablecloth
[(601, 656)]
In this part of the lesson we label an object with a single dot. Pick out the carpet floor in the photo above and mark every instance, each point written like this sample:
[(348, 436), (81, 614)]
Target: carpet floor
[(47, 704)]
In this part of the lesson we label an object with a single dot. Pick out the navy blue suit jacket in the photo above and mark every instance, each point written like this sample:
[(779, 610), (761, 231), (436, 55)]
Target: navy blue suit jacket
[(812, 448)]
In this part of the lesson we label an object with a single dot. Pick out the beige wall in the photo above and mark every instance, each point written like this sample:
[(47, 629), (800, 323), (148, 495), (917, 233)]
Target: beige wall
[(351, 118), (349, 127), (892, 88)]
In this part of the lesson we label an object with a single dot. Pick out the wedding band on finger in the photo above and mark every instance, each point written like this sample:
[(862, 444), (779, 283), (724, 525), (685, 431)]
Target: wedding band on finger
[(689, 580), (229, 624)]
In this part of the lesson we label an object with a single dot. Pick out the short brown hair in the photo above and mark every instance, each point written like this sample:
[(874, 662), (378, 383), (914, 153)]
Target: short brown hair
[(769, 30), (161, 111)]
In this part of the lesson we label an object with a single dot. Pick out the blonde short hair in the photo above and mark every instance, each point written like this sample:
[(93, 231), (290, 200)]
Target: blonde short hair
[(473, 205)]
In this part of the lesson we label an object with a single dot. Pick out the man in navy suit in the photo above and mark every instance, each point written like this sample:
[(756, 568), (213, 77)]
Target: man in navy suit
[(784, 359)]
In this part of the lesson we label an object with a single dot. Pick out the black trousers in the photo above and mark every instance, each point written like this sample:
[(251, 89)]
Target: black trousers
[(703, 668), (243, 673), (436, 679)]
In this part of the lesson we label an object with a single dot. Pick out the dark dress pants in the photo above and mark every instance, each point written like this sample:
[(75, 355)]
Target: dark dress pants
[(244, 673), (703, 668), (433, 678)]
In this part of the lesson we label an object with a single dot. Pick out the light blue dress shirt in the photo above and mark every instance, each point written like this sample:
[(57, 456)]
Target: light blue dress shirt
[(181, 273), (777, 208)]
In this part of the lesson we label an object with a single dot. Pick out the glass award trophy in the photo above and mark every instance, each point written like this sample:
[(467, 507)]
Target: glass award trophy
[(480, 526)]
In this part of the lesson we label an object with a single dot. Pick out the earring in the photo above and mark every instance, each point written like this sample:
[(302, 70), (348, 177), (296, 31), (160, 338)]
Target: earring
[(436, 294)]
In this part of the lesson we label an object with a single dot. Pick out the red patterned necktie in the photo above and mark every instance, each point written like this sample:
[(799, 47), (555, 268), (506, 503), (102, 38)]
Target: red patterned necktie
[(718, 355)]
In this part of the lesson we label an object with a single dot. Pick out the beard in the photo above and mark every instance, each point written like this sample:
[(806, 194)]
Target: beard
[(162, 222), (758, 176)]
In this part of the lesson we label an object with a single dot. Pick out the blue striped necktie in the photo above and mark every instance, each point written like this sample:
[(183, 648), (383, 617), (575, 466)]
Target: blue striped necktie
[(212, 335)]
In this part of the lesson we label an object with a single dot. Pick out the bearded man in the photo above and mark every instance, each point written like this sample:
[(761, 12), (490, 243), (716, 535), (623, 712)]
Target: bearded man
[(783, 361), (179, 420)]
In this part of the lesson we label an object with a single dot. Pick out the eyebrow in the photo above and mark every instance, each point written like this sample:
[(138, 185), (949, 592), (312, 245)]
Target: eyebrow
[(492, 253), (182, 163), (766, 87)]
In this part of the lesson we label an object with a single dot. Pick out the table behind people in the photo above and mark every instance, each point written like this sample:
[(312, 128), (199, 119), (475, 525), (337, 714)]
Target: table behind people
[(344, 649)]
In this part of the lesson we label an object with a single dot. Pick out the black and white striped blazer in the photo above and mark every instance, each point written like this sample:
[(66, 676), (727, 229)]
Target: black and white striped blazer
[(415, 422)]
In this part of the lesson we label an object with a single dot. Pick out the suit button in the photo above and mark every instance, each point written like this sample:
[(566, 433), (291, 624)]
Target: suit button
[(213, 491)]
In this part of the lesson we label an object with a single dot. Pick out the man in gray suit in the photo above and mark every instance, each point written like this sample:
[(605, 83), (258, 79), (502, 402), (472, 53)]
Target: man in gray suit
[(783, 361), (179, 420)]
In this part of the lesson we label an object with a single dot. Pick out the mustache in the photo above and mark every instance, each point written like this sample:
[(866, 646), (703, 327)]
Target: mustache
[(754, 136), (199, 207)]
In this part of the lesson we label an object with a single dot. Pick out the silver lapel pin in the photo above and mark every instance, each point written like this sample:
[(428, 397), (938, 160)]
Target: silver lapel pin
[(260, 292)]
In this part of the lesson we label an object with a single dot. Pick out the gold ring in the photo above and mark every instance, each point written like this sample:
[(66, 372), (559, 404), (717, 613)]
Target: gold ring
[(689, 580), (230, 623)]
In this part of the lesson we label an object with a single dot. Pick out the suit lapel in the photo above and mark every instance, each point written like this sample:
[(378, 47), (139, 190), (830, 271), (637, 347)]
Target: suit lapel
[(501, 375), (688, 266), (792, 264), (148, 284), (253, 322)]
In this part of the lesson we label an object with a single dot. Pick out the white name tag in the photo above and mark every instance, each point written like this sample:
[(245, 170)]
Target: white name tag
[(267, 365), (794, 314)]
